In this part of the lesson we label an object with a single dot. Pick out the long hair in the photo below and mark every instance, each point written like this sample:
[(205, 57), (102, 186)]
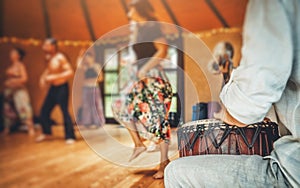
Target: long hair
[(21, 53), (144, 9), (229, 49)]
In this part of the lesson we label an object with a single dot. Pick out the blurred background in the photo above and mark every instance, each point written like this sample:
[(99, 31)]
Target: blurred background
[(77, 24)]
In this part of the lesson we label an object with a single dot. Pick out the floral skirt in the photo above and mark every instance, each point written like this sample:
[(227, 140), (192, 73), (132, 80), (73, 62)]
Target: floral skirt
[(149, 102)]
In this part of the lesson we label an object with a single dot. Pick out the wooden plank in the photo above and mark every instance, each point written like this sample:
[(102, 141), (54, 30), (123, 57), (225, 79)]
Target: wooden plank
[(24, 163)]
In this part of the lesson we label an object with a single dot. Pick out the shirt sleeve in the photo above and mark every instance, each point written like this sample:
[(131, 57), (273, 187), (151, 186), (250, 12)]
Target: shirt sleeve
[(266, 64)]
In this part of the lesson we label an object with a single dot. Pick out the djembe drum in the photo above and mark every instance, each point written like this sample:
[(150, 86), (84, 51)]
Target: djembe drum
[(210, 136)]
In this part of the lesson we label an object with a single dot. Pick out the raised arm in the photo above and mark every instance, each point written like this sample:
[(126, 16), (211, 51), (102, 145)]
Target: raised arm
[(79, 63)]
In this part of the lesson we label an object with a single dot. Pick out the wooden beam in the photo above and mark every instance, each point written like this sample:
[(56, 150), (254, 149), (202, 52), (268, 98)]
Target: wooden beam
[(88, 19), (1, 18), (46, 18), (170, 12), (125, 7), (217, 13), (180, 62)]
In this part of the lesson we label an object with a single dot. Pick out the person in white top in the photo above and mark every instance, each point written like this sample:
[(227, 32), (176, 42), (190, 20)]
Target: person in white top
[(269, 74)]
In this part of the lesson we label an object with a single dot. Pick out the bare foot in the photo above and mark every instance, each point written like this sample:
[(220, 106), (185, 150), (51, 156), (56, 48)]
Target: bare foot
[(31, 132), (137, 151), (160, 173), (43, 137), (153, 147), (5, 132), (70, 141)]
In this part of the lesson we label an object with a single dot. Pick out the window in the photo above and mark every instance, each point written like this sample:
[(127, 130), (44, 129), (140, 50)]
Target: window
[(111, 70), (170, 68), (114, 82)]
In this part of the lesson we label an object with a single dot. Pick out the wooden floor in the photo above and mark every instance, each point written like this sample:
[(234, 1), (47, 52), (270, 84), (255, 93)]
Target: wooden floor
[(24, 163)]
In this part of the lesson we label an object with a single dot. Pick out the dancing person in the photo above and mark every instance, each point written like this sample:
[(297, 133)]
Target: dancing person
[(56, 74), (269, 73), (223, 52), (92, 115), (225, 60), (16, 98), (150, 99)]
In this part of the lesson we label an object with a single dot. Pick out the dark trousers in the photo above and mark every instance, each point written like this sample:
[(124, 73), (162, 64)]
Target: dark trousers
[(57, 95)]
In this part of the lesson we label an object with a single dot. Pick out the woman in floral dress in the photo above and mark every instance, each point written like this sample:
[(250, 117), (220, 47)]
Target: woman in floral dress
[(149, 99)]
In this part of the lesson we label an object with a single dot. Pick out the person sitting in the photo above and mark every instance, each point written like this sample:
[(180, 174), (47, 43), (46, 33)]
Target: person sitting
[(269, 73)]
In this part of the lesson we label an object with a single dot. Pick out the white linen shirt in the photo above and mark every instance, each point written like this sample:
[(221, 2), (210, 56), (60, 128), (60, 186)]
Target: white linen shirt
[(269, 74)]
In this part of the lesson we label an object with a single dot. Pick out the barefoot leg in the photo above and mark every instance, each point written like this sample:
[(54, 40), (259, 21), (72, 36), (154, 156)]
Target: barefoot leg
[(164, 148), (43, 137), (30, 126), (138, 144)]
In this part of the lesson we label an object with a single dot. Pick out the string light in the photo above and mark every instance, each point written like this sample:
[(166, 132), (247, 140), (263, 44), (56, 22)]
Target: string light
[(207, 34), (38, 42), (115, 40)]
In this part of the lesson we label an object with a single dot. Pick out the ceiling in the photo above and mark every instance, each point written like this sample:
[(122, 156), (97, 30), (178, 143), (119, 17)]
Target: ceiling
[(90, 19)]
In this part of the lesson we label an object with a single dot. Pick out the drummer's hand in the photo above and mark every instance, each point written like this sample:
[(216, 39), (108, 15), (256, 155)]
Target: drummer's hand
[(225, 116)]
